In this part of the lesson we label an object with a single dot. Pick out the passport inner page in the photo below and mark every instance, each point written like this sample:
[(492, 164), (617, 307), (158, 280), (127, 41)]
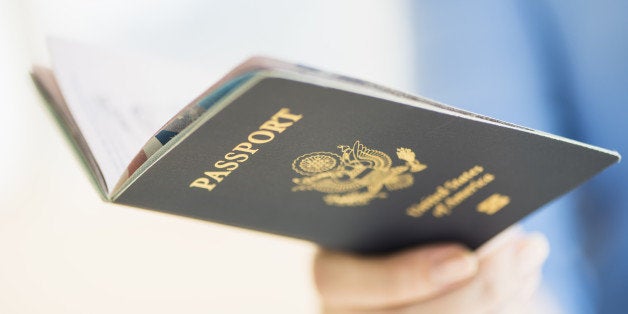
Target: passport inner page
[(118, 101)]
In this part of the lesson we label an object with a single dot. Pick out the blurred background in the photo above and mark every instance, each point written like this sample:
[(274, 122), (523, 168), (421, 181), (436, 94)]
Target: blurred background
[(62, 250), (558, 66)]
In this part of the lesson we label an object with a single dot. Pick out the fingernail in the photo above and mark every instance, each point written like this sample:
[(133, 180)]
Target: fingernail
[(454, 269), (532, 253)]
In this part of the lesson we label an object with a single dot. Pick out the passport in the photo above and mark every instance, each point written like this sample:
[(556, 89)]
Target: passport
[(346, 164)]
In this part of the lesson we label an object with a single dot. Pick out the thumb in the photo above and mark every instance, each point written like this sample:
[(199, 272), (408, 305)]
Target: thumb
[(347, 280)]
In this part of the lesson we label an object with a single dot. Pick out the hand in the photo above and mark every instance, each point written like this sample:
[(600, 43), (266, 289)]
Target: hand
[(439, 278)]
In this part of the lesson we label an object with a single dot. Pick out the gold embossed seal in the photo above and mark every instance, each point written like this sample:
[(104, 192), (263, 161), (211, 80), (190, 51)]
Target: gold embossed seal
[(356, 176)]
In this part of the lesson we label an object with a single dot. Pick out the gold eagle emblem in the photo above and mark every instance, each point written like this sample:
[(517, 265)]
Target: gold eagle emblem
[(355, 177)]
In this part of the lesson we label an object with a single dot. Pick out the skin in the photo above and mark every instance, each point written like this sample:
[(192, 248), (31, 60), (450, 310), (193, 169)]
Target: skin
[(500, 277)]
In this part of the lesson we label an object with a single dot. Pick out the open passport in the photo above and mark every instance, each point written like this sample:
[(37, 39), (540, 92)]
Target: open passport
[(291, 150)]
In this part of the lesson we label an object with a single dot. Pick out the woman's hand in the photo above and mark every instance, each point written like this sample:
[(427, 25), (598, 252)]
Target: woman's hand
[(439, 278)]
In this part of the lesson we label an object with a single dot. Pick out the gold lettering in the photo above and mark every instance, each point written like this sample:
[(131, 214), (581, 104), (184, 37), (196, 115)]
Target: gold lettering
[(428, 202), (443, 200), (469, 190), (245, 148), (456, 183), (278, 123), (230, 166), (254, 137), (217, 175), (284, 113), (202, 183), (493, 204), (236, 157), (273, 125), (441, 210), (415, 211)]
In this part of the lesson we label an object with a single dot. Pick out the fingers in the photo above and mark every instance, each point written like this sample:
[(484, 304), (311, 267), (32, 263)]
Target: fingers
[(503, 278), (503, 238), (357, 282), (522, 302)]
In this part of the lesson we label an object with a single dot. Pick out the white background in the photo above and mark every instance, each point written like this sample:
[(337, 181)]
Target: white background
[(62, 250)]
